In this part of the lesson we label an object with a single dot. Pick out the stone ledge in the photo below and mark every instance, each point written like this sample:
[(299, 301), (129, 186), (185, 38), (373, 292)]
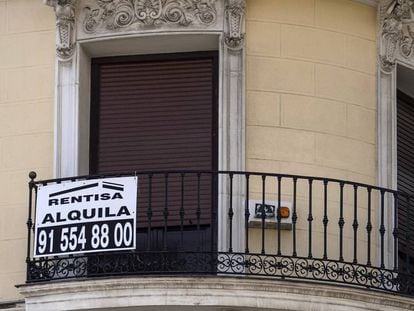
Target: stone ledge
[(373, 3), (12, 305), (212, 293)]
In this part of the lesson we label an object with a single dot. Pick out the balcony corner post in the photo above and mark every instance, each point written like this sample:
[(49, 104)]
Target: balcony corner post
[(29, 223)]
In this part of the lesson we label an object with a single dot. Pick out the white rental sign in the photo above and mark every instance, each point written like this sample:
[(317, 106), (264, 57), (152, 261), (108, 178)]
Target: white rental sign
[(96, 215)]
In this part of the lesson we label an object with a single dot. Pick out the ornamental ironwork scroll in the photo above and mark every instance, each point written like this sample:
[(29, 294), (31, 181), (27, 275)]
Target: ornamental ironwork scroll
[(271, 266), (116, 14), (397, 33)]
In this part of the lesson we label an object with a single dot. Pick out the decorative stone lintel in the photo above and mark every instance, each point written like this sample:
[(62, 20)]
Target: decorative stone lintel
[(397, 33), (112, 16), (234, 31)]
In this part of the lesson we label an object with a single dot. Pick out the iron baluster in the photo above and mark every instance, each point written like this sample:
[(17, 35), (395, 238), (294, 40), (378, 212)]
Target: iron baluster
[(165, 213), (263, 212), (294, 218), (198, 212), (278, 215), (149, 211), (35, 208), (29, 223), (325, 219), (395, 231), (355, 224), (407, 258), (230, 214), (247, 215), (341, 221), (369, 228), (213, 211), (310, 219), (382, 228), (182, 211)]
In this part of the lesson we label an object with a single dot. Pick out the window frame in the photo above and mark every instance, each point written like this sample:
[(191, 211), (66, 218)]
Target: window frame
[(219, 22)]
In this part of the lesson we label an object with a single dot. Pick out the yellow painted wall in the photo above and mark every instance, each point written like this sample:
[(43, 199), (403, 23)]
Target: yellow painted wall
[(311, 107), (26, 124), (311, 95)]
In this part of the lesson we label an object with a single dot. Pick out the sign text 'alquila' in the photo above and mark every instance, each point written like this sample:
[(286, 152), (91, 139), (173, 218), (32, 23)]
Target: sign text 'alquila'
[(86, 216)]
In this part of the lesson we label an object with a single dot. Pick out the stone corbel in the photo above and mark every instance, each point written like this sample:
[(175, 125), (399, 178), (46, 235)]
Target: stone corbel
[(65, 27), (397, 33), (234, 25)]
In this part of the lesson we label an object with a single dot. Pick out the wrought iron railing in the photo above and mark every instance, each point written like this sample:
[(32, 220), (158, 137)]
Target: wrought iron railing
[(232, 223)]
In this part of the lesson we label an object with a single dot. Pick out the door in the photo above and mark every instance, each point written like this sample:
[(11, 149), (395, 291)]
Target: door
[(159, 113)]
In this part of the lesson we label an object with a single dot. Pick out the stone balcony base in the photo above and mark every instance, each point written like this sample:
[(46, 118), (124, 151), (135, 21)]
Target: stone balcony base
[(204, 293)]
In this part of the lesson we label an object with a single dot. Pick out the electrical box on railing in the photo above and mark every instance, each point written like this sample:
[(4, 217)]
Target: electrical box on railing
[(268, 213)]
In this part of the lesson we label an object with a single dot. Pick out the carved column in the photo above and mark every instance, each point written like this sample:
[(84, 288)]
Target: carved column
[(396, 45), (66, 110), (233, 101)]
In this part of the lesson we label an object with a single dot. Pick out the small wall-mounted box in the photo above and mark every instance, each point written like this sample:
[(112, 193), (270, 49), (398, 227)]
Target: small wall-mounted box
[(270, 210)]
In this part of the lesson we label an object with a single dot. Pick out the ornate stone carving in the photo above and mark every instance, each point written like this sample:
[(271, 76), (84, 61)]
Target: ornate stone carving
[(115, 14), (234, 14), (397, 35), (65, 27)]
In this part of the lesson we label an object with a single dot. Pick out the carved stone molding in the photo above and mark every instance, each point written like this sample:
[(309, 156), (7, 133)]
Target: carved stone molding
[(234, 14), (65, 27), (50, 2), (397, 33), (117, 14), (396, 45)]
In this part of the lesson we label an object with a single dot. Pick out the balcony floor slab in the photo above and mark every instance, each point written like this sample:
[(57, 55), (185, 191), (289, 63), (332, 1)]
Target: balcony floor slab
[(206, 294)]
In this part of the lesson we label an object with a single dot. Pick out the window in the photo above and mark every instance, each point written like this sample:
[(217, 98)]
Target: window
[(405, 165), (155, 113)]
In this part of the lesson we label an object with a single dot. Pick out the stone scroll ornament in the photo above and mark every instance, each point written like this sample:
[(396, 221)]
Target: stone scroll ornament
[(234, 13), (116, 14), (397, 33)]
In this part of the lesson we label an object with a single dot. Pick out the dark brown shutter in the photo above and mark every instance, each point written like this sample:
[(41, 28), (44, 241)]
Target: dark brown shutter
[(405, 175), (157, 113)]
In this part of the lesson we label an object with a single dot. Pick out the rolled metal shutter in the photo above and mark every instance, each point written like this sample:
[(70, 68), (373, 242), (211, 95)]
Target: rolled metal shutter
[(157, 113), (405, 174)]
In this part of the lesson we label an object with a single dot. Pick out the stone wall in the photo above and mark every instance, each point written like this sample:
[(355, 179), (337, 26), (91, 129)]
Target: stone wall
[(26, 124), (311, 88), (311, 110)]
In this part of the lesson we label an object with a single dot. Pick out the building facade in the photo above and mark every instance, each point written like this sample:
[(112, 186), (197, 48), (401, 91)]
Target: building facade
[(225, 111)]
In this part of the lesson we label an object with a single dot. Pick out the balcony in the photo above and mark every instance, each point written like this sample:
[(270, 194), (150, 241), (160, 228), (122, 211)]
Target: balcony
[(272, 226)]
